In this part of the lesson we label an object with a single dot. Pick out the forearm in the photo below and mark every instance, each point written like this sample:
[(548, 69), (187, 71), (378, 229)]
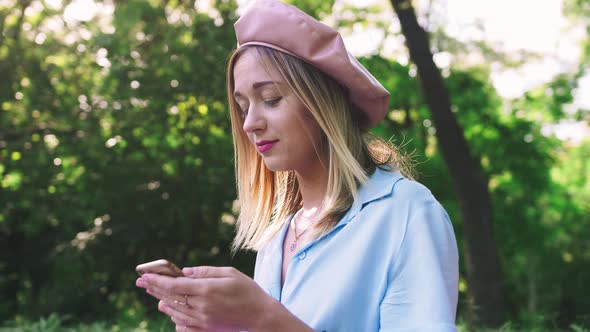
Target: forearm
[(277, 318)]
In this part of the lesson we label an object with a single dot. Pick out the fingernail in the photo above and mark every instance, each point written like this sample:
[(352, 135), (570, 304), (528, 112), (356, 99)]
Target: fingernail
[(163, 308), (140, 283)]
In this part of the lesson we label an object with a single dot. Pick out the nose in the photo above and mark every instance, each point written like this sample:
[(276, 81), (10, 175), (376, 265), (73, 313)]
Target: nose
[(254, 120)]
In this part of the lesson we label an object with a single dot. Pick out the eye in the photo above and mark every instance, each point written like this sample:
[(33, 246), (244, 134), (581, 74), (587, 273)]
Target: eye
[(272, 102), (243, 110)]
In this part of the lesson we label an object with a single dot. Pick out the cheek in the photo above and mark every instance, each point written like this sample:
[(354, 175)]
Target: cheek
[(313, 132), (250, 138), (306, 142)]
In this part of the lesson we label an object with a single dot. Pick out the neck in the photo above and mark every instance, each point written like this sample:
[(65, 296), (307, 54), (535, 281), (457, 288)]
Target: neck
[(313, 186)]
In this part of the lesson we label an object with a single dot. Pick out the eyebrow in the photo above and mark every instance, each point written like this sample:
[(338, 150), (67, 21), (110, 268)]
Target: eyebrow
[(256, 86)]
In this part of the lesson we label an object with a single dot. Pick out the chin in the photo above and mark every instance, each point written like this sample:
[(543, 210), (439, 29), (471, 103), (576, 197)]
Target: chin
[(276, 166)]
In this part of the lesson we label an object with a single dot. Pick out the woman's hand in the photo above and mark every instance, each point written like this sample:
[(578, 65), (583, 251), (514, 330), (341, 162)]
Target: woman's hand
[(211, 299)]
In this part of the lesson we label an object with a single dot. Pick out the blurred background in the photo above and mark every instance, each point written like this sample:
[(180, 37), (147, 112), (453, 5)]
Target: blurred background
[(115, 149)]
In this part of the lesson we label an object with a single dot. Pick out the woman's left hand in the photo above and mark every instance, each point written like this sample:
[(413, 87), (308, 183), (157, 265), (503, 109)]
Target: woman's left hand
[(210, 299)]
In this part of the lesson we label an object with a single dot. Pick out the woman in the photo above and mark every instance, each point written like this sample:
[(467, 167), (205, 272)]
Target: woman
[(345, 240)]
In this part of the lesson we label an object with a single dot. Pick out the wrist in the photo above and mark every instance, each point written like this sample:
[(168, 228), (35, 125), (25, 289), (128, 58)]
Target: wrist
[(275, 317), (270, 311)]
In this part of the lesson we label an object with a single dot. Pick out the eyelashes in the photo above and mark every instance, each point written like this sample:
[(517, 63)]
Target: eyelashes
[(270, 103)]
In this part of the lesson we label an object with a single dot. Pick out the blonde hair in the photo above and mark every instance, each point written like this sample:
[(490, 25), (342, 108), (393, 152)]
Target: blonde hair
[(267, 198)]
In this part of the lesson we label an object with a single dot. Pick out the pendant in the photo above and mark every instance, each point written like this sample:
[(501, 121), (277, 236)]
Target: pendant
[(293, 246)]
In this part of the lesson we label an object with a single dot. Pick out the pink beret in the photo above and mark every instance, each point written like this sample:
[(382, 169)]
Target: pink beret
[(280, 26)]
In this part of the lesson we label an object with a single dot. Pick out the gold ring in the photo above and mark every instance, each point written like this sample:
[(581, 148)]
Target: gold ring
[(179, 302)]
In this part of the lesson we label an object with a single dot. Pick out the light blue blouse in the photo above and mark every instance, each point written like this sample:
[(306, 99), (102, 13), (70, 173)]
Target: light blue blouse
[(390, 264)]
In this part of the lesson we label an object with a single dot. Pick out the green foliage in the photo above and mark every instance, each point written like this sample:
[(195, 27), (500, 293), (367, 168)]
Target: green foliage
[(312, 7), (56, 323), (538, 223), (115, 149)]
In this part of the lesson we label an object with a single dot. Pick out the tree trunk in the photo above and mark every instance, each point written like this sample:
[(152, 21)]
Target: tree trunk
[(479, 252), (11, 254)]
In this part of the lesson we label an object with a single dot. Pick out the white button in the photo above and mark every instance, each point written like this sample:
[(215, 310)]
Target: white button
[(302, 255)]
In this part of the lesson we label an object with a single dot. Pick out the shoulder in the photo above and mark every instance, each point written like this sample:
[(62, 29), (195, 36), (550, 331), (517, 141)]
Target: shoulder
[(394, 203), (412, 213), (407, 191), (397, 190)]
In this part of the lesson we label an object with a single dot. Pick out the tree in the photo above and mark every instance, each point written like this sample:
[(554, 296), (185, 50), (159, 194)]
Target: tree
[(114, 149), (470, 183)]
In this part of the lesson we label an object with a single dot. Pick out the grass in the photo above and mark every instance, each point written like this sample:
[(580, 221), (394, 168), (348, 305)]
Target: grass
[(55, 323)]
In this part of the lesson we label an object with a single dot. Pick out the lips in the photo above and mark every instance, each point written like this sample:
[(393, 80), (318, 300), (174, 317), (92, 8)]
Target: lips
[(264, 146)]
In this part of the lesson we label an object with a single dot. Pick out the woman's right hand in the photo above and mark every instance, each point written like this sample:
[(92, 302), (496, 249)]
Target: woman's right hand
[(214, 299)]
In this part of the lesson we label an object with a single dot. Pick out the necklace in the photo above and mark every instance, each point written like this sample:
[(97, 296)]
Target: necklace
[(293, 245)]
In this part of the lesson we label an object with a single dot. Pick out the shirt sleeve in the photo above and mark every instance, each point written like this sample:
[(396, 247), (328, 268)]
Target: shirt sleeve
[(423, 278)]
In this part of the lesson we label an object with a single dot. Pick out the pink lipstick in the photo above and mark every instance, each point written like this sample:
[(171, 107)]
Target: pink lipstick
[(264, 146)]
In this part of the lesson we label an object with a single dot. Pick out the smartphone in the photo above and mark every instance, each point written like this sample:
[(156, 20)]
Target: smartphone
[(160, 266)]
